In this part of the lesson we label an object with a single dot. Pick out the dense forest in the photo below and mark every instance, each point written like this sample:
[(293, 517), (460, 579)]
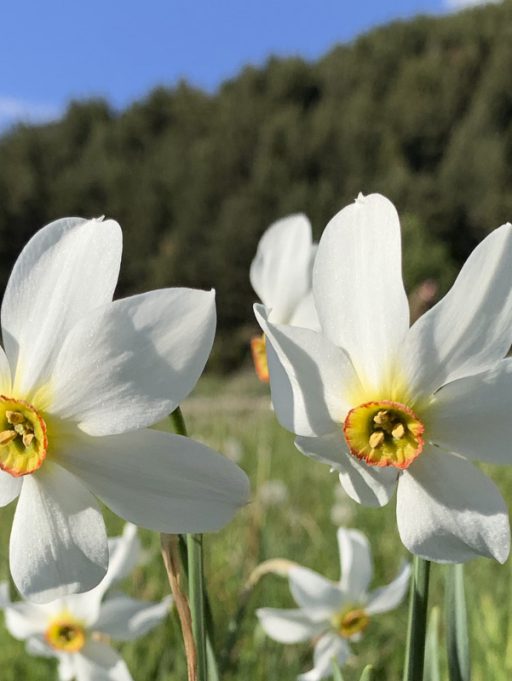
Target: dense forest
[(420, 111)]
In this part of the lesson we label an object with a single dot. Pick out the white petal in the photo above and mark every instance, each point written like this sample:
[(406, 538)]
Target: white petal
[(470, 329), (309, 378), (68, 268), (129, 364), (5, 597), (5, 374), (368, 485), (390, 596), (10, 487), (164, 482), (58, 540), (305, 314), (281, 270), (355, 563), (99, 662), (25, 619), (67, 670), (288, 626), (328, 648), (358, 288), (36, 645), (124, 554), (448, 511), (126, 619), (315, 594), (472, 416)]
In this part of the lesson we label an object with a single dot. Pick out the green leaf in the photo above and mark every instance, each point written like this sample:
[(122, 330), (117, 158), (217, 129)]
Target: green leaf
[(431, 670), (336, 672), (457, 639), (368, 674)]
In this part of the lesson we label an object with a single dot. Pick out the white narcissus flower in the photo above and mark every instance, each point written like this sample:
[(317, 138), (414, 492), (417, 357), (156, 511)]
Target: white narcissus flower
[(81, 380), (383, 403), (281, 277), (333, 613), (76, 629)]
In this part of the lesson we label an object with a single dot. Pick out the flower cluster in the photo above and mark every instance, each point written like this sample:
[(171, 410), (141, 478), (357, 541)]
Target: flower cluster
[(76, 629)]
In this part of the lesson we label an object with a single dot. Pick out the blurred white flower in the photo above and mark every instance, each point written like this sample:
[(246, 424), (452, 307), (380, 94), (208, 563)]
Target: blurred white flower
[(273, 493), (81, 380), (384, 403), (333, 613), (75, 629), (281, 277)]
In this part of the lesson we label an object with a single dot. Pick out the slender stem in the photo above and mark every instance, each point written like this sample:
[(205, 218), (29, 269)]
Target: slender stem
[(417, 625), (195, 576), (171, 558), (457, 636)]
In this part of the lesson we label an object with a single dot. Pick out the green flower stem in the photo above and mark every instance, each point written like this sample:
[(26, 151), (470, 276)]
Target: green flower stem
[(195, 576), (417, 625), (457, 637)]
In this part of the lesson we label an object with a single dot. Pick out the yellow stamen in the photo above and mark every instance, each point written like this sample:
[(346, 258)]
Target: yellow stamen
[(384, 433), (350, 621), (65, 632), (23, 437), (259, 357)]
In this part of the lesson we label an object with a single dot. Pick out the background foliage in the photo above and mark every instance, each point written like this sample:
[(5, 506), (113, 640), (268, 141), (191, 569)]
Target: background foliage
[(420, 111)]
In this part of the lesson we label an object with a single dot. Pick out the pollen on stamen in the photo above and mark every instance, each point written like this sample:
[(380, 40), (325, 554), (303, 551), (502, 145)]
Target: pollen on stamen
[(384, 433), (23, 437)]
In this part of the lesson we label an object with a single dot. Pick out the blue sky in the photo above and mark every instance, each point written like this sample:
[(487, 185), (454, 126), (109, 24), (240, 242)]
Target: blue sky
[(55, 50)]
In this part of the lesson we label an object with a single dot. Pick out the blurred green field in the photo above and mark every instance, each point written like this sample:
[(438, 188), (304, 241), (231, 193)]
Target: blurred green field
[(234, 416)]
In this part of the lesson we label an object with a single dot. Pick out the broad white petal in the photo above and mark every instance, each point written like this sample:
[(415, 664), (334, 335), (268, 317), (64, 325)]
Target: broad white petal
[(355, 563), (129, 364), (68, 268), (24, 619), (390, 596), (472, 416), (315, 594), (368, 485), (448, 511), (10, 487), (288, 626), (328, 648), (309, 378), (164, 482), (126, 619), (470, 329), (99, 662), (305, 314), (281, 270), (358, 288), (58, 541)]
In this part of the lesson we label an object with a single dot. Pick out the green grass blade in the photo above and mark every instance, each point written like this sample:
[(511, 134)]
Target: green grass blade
[(336, 672), (368, 674), (431, 671), (457, 638), (417, 623)]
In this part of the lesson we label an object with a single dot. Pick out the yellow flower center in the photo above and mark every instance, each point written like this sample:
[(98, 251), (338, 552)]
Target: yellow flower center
[(350, 621), (66, 633), (384, 433), (23, 437), (259, 357)]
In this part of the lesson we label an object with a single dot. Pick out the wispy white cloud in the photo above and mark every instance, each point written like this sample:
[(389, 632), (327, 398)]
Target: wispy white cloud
[(460, 4), (13, 110)]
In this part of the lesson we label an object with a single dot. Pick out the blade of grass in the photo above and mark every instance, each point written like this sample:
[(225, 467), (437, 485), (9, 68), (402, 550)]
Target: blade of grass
[(417, 623), (457, 638), (431, 671)]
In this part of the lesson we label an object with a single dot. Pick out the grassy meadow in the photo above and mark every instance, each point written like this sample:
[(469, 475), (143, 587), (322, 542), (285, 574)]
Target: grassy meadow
[(294, 519)]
